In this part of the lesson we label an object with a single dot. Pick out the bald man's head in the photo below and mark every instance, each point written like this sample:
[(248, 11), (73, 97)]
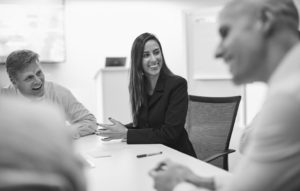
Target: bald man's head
[(284, 12), (249, 30)]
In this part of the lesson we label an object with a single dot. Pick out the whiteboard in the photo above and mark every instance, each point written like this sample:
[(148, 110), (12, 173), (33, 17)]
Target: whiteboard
[(202, 40)]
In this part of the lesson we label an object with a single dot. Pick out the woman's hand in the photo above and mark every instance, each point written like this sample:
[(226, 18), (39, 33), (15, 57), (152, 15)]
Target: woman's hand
[(116, 130)]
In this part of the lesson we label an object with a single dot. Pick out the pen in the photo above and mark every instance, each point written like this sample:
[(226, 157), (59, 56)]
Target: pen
[(102, 156), (147, 155)]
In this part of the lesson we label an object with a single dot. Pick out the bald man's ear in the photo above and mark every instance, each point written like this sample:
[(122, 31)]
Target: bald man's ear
[(13, 80), (267, 21)]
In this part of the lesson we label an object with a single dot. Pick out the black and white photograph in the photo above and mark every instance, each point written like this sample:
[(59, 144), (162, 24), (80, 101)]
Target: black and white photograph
[(149, 95)]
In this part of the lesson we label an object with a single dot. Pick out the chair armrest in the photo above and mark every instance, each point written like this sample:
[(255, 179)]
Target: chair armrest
[(226, 152)]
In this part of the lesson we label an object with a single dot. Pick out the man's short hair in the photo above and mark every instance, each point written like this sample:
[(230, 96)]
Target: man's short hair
[(19, 60)]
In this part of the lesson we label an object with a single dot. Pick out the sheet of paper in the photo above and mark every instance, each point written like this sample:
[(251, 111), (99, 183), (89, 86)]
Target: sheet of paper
[(87, 161), (96, 153)]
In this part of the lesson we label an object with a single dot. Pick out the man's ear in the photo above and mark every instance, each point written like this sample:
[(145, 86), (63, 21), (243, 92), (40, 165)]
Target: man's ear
[(267, 21), (13, 80)]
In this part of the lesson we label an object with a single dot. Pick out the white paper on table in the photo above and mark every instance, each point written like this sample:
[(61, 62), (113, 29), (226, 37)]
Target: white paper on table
[(96, 153), (87, 161)]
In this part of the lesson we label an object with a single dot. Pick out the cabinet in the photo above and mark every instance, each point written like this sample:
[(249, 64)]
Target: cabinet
[(112, 94)]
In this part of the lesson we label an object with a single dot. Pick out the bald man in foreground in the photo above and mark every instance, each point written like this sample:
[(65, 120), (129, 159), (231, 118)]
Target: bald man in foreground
[(259, 42)]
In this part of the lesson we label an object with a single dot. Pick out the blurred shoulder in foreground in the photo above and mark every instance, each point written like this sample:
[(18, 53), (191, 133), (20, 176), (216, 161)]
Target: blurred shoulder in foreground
[(36, 149)]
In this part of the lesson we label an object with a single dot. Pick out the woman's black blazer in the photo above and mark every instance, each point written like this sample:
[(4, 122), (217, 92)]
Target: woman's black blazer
[(162, 118)]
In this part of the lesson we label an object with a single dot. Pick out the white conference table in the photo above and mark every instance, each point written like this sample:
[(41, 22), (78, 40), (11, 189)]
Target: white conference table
[(124, 171)]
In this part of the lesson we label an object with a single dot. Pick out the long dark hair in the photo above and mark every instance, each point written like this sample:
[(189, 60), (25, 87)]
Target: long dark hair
[(137, 78)]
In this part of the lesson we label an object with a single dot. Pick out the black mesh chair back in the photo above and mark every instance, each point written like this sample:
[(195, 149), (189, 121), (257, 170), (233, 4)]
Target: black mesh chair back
[(209, 123)]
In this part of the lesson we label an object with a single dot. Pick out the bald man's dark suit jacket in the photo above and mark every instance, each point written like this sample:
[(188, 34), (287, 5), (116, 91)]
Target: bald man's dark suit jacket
[(162, 118)]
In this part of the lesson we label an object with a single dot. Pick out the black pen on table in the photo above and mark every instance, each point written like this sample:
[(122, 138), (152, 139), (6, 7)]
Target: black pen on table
[(149, 154)]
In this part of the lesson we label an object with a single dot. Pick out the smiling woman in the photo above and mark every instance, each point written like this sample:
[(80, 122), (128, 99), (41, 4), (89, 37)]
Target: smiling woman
[(159, 101), (152, 64)]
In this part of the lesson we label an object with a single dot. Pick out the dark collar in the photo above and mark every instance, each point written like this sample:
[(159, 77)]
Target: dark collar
[(160, 84), (159, 89)]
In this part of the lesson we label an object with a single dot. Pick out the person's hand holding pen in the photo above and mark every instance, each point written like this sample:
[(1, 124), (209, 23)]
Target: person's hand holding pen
[(167, 175), (116, 130)]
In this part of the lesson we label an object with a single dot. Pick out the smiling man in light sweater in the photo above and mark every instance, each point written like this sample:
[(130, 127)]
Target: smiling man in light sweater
[(28, 81)]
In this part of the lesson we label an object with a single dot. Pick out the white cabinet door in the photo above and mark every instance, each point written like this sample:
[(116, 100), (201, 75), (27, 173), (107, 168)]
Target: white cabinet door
[(113, 97)]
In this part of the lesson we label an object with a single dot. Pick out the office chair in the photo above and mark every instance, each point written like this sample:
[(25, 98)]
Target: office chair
[(209, 123), (20, 180)]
